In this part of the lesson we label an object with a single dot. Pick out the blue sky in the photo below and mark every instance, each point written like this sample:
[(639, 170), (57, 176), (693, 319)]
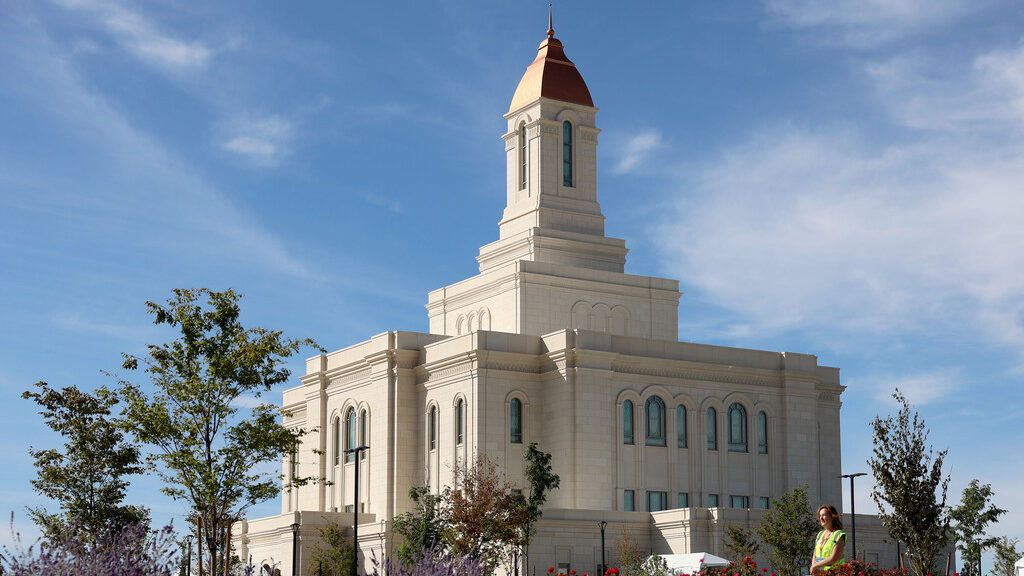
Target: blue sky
[(835, 177)]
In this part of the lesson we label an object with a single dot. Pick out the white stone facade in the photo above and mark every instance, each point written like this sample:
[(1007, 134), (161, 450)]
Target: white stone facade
[(553, 324)]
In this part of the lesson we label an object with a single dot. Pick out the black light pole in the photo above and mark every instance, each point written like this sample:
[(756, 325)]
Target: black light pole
[(604, 567), (188, 554), (295, 549), (853, 512), (355, 510)]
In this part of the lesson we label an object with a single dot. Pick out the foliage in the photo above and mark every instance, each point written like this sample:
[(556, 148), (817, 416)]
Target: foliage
[(788, 531), (126, 551), (436, 561), (654, 565), (484, 518), (87, 477), (970, 519), (210, 455), (740, 542), (333, 554), (910, 490), (630, 555), (542, 480), (1006, 556), (421, 528)]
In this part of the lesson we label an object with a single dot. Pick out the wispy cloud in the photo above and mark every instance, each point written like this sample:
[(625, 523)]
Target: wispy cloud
[(866, 23), (822, 227), (386, 202), (141, 37), (77, 323), (264, 141), (637, 149), (919, 389)]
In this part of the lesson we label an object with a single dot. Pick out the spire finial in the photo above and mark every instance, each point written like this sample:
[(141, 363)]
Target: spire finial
[(551, 29)]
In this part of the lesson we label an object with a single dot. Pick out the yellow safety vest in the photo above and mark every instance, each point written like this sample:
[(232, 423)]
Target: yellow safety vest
[(823, 547)]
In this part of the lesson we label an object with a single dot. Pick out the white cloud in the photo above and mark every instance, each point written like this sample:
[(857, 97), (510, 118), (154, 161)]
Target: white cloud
[(866, 23), (77, 323), (265, 141), (636, 151), (919, 389), (142, 38), (386, 202), (819, 228)]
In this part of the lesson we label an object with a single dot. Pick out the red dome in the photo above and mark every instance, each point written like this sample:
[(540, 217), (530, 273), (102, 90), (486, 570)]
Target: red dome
[(551, 75)]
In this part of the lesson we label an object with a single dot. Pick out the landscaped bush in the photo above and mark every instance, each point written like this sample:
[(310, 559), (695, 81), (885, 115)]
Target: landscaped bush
[(131, 551)]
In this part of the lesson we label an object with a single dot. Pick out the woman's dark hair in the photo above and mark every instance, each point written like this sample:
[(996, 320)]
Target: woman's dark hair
[(837, 522)]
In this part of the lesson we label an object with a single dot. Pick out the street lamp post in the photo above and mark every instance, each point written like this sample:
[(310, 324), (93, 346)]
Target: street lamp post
[(853, 511), (355, 509), (295, 549), (604, 567), (188, 554)]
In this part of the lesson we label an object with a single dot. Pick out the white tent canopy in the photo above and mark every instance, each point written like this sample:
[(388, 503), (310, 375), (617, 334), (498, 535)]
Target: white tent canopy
[(1018, 567), (690, 563)]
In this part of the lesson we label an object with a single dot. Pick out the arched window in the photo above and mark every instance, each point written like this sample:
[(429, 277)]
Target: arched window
[(337, 440), (350, 434), (737, 428), (362, 432), (762, 433), (655, 411), (460, 421), (433, 427), (522, 156), (627, 422), (515, 421), (566, 153), (681, 426), (712, 422)]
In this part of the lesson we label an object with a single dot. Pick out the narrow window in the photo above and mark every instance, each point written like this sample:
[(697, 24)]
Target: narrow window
[(764, 502), (522, 156), (683, 500), (712, 419), (293, 465), (739, 501), (460, 420), (515, 421), (737, 428), (628, 501), (566, 153), (762, 433), (337, 440), (712, 500), (657, 501), (681, 426), (655, 409), (433, 427), (350, 434), (362, 433), (627, 422)]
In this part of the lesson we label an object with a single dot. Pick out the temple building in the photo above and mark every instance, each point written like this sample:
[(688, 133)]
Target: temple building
[(553, 342)]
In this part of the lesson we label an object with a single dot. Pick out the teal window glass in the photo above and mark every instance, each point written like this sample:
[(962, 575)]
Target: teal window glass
[(739, 501), (655, 412), (350, 434), (683, 500), (764, 502), (522, 156), (762, 433), (433, 427), (515, 421), (627, 422), (712, 500), (681, 426), (712, 424), (337, 440), (460, 421), (566, 153), (657, 501), (628, 500), (737, 428)]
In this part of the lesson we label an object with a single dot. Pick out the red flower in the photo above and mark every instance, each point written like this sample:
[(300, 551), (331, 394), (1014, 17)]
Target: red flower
[(571, 572), (764, 569), (551, 569)]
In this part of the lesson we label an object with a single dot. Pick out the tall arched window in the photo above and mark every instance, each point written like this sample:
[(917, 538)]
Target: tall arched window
[(681, 426), (762, 433), (627, 422), (433, 427), (362, 433), (522, 156), (515, 421), (655, 412), (460, 421), (712, 422), (337, 440), (737, 428), (566, 153), (350, 434)]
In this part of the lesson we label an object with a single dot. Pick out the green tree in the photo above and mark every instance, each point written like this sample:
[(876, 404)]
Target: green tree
[(740, 543), (630, 554), (332, 556), (88, 477), (206, 452), (1006, 556), (542, 480), (910, 490), (788, 531), (970, 519), (420, 529)]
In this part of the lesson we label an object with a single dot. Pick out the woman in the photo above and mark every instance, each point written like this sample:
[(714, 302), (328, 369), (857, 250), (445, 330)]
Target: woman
[(829, 543)]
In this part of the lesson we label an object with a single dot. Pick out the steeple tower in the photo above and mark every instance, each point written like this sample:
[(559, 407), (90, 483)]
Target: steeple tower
[(552, 267)]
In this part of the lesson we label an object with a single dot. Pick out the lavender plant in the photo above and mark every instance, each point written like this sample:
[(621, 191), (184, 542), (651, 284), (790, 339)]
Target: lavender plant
[(128, 551), (434, 561)]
